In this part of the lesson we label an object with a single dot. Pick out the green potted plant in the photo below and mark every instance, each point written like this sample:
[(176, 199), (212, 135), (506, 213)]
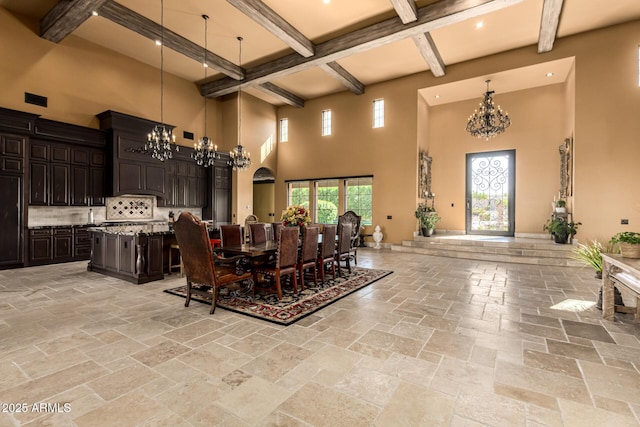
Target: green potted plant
[(562, 230), (589, 254), (428, 218), (629, 242), (561, 206)]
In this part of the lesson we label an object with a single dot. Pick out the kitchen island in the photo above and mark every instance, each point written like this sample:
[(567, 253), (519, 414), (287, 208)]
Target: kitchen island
[(133, 251)]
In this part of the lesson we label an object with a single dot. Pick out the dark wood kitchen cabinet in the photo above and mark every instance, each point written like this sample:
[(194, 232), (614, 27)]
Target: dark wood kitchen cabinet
[(137, 258), (66, 176), (12, 212), (52, 245)]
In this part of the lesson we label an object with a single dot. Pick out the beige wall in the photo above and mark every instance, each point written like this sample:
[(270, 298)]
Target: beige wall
[(604, 123), (536, 132), (263, 202), (82, 79)]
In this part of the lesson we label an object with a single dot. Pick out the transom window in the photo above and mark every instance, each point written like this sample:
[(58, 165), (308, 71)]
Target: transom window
[(378, 113), (284, 130), (326, 122)]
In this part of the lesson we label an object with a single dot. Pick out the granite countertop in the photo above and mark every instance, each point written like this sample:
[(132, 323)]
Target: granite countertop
[(42, 227), (134, 229)]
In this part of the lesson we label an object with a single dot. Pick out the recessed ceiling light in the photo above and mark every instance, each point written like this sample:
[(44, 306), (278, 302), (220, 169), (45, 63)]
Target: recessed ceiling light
[(158, 43), (437, 97), (479, 24), (94, 13), (326, 1), (205, 65), (549, 74)]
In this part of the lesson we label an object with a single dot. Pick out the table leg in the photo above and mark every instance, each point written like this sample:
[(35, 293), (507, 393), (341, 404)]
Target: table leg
[(608, 303)]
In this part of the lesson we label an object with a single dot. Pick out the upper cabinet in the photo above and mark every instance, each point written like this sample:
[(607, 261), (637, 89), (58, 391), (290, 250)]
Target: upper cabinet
[(177, 182), (66, 165)]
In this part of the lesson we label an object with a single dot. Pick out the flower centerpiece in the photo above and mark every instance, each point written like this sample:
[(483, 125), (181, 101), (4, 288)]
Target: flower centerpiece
[(295, 216)]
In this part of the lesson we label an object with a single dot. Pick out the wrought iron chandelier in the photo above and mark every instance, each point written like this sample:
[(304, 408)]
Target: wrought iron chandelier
[(488, 121), (161, 141), (205, 152), (240, 159)]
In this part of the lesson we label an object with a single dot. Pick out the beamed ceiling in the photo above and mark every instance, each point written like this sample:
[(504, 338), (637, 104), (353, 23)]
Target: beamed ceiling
[(294, 50)]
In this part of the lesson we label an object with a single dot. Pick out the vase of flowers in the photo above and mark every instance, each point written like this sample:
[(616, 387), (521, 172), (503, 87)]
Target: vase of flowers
[(295, 216)]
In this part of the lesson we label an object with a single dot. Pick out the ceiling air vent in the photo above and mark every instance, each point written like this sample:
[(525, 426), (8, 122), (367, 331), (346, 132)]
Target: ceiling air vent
[(31, 98), (187, 135)]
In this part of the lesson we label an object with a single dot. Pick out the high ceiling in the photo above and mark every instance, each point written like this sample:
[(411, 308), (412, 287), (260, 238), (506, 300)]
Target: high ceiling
[(294, 50)]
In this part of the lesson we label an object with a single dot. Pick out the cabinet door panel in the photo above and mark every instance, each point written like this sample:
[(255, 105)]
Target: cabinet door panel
[(127, 254), (39, 151), (59, 153), (155, 179), (97, 192), (11, 225), (38, 194), (59, 184), (62, 247), (79, 186), (130, 178), (97, 249), (111, 252)]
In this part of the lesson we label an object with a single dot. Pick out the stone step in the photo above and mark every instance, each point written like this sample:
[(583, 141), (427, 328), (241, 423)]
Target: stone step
[(524, 251)]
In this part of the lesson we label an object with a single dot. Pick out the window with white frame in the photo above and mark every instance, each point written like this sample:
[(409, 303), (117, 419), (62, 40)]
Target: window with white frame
[(378, 113), (326, 122), (284, 130), (358, 197)]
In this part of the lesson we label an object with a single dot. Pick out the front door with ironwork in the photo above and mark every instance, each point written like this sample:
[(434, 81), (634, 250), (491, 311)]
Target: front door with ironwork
[(490, 197)]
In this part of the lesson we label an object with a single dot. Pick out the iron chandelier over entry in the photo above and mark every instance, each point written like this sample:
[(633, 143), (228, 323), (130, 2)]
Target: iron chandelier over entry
[(488, 121)]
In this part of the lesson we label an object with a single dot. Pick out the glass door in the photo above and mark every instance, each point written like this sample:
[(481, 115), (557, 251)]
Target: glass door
[(490, 196)]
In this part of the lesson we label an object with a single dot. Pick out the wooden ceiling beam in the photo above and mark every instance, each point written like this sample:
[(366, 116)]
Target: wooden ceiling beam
[(275, 24), (282, 94), (336, 71), (147, 28), (430, 17), (65, 17), (551, 11), (429, 52), (406, 10)]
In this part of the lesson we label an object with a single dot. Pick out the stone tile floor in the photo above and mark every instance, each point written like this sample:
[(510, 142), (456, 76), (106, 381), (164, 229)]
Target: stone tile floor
[(439, 342)]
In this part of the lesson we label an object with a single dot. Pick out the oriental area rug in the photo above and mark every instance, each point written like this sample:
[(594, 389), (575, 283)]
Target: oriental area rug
[(265, 305)]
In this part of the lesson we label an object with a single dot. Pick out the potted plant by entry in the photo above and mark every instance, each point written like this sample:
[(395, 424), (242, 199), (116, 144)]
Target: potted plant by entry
[(428, 218), (561, 229), (629, 242)]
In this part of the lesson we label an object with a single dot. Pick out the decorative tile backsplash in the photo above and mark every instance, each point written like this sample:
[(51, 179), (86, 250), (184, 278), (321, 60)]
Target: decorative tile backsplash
[(130, 207)]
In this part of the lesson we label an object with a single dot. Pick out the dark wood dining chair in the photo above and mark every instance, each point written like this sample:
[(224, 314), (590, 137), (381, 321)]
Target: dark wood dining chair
[(286, 260), (257, 233), (327, 252), (355, 220), (231, 235), (344, 246), (276, 226), (197, 258), (308, 254)]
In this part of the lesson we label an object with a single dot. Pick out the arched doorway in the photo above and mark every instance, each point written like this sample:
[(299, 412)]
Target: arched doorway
[(264, 195)]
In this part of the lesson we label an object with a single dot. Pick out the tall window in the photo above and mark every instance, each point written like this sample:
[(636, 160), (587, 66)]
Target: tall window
[(378, 113), (298, 193), (326, 122), (284, 130), (358, 198), (326, 201)]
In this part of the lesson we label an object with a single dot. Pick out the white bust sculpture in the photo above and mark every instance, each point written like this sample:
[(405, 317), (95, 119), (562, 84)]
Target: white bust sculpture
[(377, 237)]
